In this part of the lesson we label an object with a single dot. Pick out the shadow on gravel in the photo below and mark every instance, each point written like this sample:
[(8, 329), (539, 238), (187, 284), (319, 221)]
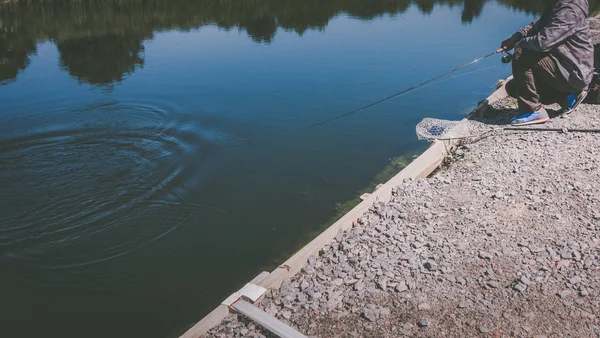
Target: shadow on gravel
[(499, 113)]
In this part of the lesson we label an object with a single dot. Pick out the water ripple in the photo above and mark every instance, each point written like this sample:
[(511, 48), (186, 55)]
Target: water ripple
[(95, 186)]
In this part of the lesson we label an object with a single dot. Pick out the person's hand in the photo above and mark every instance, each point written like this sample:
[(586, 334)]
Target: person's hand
[(508, 44)]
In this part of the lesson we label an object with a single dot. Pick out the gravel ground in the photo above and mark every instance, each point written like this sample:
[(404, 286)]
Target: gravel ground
[(503, 241)]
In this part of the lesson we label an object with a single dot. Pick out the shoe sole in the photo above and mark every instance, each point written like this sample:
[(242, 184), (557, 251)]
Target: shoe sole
[(538, 121), (577, 103)]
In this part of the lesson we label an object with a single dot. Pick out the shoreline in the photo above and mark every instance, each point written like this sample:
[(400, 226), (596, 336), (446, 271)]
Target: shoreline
[(504, 240), (420, 167)]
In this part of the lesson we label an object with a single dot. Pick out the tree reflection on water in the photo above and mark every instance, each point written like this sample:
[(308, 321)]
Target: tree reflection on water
[(101, 42)]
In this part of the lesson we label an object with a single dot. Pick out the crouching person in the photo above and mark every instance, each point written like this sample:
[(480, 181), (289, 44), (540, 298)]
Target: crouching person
[(553, 61)]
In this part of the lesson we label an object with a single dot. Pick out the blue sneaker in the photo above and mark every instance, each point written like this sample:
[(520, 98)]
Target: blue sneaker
[(573, 101), (539, 116)]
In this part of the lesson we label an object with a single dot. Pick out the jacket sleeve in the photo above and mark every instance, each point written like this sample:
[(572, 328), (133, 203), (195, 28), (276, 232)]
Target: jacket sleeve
[(530, 29), (561, 26)]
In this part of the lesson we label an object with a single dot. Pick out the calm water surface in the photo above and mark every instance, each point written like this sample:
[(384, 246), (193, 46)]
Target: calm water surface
[(150, 162)]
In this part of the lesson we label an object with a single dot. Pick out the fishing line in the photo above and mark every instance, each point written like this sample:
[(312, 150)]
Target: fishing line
[(473, 72), (446, 74), (455, 77), (431, 82)]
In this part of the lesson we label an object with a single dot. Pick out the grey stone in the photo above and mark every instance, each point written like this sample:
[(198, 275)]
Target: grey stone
[(401, 287), (525, 280), (382, 284), (493, 284), (520, 287), (564, 293), (271, 309), (287, 314), (430, 265), (350, 281), (485, 329), (417, 245), (485, 255), (424, 322), (302, 297), (371, 314), (575, 280), (536, 249)]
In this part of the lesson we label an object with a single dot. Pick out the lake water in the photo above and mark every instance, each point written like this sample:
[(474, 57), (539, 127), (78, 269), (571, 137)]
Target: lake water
[(150, 158)]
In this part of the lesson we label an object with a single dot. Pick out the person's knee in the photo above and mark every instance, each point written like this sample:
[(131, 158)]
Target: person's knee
[(518, 63), (524, 58), (511, 88)]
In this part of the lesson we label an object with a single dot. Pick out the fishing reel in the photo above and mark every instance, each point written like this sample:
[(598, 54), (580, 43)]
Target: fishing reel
[(506, 57)]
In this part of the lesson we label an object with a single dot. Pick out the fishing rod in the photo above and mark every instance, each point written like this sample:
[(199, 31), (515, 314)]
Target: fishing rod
[(505, 60)]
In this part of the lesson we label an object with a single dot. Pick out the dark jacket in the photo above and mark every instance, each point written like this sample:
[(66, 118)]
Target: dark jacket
[(563, 32)]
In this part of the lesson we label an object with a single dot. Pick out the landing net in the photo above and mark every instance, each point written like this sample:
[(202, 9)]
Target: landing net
[(436, 129)]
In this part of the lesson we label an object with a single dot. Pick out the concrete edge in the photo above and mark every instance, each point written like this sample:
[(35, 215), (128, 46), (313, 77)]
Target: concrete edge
[(420, 167), (217, 315)]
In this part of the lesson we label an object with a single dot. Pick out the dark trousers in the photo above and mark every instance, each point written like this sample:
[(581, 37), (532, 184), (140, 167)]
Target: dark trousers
[(537, 81)]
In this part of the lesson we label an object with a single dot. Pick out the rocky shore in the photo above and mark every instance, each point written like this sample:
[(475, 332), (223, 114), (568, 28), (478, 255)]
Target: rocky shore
[(503, 241)]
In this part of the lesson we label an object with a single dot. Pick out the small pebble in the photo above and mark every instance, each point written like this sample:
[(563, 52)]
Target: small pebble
[(430, 265), (564, 293), (485, 329), (484, 255), (401, 287), (424, 322), (520, 287), (493, 284)]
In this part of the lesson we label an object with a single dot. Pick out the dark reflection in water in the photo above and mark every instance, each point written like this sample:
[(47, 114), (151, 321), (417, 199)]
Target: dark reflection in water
[(101, 60), (144, 170), (96, 50), (14, 54)]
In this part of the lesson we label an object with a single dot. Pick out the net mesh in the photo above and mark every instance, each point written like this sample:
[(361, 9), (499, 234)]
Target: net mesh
[(436, 129)]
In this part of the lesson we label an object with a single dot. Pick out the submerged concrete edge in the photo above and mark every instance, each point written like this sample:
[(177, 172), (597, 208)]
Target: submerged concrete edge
[(420, 167)]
